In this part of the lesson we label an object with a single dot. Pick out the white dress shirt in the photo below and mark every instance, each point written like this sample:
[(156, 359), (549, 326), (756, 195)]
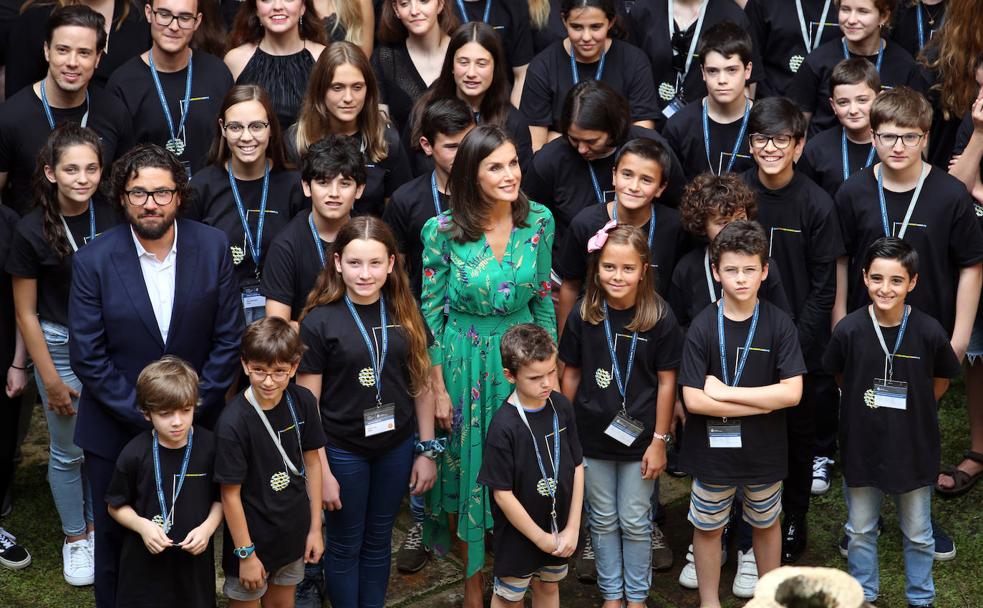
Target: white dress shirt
[(158, 276)]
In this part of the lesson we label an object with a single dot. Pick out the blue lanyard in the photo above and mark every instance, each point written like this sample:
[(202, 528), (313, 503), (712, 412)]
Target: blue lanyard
[(163, 100), (573, 65), (47, 108), (477, 118), (551, 487), (614, 216), (317, 239), (723, 346), (255, 245), (880, 53), (889, 356), (595, 183), (433, 191), (846, 158), (168, 516), (921, 26), (378, 362), (464, 11), (92, 227), (911, 205), (300, 443), (622, 386), (737, 143)]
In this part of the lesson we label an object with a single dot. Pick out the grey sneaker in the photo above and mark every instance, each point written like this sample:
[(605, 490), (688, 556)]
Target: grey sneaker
[(413, 555), (586, 566), (661, 553)]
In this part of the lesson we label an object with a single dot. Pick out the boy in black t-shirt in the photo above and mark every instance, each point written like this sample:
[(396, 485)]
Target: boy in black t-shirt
[(270, 471), (893, 363), (533, 466), (164, 492), (735, 433)]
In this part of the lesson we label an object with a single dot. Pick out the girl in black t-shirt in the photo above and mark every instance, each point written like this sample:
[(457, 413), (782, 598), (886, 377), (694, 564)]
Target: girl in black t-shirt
[(623, 404), (367, 361)]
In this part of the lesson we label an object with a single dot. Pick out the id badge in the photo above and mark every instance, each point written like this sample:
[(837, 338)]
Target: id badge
[(380, 419), (674, 106), (251, 298), (624, 430), (890, 394), (724, 434)]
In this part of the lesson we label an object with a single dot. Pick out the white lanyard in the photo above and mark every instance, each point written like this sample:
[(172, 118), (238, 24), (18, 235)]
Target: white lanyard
[(251, 398), (810, 43), (710, 286), (696, 32), (888, 355), (926, 167)]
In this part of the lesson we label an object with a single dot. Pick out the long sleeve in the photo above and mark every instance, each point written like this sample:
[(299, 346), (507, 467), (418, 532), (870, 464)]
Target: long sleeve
[(218, 370), (436, 274), (541, 303)]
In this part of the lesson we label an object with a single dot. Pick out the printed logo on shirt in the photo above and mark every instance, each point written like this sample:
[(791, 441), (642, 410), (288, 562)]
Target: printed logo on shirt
[(725, 158), (174, 503), (239, 253), (750, 357), (780, 230), (604, 376), (544, 486), (896, 226), (366, 375)]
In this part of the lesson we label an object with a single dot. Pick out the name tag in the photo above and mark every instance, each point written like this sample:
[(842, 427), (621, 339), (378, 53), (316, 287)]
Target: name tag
[(890, 394), (624, 430), (674, 106), (251, 298), (724, 434), (379, 420)]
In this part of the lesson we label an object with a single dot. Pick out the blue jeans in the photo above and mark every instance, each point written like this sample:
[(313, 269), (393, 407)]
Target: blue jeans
[(620, 526), (915, 516), (359, 535), (69, 485)]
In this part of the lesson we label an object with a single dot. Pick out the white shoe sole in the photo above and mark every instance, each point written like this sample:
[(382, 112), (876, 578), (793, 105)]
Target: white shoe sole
[(16, 565), (79, 581), (742, 592)]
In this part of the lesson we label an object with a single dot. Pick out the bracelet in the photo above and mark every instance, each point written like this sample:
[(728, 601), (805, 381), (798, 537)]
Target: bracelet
[(23, 369), (430, 448)]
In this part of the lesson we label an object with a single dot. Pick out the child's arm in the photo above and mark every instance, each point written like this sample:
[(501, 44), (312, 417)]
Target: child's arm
[(966, 168), (197, 539), (784, 393), (331, 497), (153, 535), (967, 299), (520, 520), (654, 459), (698, 402), (570, 382), (567, 540), (940, 386), (315, 542), (569, 292), (839, 301), (252, 574), (424, 471)]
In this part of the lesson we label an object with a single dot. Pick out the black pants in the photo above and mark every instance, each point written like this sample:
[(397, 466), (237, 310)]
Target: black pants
[(818, 394), (9, 419), (109, 534)]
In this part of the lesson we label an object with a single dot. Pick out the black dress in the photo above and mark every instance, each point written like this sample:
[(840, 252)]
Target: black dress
[(284, 77), (400, 84)]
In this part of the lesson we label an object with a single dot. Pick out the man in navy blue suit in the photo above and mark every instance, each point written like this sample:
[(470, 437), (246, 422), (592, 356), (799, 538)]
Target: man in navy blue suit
[(155, 285)]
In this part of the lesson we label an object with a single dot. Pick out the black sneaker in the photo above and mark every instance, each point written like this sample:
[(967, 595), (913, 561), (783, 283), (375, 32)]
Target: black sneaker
[(12, 555), (310, 591), (661, 553), (845, 540), (794, 537), (413, 555), (586, 565), (945, 549)]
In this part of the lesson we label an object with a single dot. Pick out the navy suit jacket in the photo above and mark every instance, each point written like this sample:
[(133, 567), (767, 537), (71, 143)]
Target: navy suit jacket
[(115, 333)]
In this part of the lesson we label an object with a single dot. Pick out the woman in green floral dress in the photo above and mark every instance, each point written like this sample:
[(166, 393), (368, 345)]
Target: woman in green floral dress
[(486, 267)]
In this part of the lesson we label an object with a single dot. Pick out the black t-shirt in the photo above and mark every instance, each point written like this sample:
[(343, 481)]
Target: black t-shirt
[(400, 84), (650, 31), (408, 210), (383, 177), (32, 258), (775, 356), (558, 177), (292, 264), (689, 293), (509, 463), (626, 70), (943, 230), (146, 579), (810, 86), (893, 450), (134, 85), (904, 24), (778, 34), (804, 240), (337, 351), (24, 130), (214, 204), (555, 30), (278, 515), (669, 242), (684, 132), (822, 159), (510, 19), (8, 220), (598, 401)]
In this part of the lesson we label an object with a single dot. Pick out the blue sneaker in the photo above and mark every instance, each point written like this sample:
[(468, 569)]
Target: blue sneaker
[(945, 549), (310, 591)]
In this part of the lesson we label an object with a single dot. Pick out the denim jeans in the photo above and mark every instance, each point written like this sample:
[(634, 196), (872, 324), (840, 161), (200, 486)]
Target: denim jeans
[(359, 535), (915, 516), (620, 526), (69, 485)]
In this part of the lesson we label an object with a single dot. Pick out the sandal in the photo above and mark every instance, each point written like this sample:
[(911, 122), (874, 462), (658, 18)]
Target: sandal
[(963, 481)]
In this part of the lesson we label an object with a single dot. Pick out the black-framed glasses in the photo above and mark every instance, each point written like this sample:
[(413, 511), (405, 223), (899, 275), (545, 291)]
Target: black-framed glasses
[(164, 18), (256, 127), (139, 198), (760, 141), (889, 140)]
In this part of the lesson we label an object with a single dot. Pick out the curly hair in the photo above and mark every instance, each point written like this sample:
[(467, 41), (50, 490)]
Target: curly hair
[(147, 156), (710, 195), (953, 53)]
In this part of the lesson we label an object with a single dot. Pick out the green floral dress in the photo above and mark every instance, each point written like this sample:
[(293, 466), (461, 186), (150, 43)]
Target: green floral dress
[(469, 300)]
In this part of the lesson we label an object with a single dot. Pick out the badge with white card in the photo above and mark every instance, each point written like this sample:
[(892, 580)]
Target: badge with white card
[(624, 430), (890, 394), (380, 419), (251, 298), (724, 434)]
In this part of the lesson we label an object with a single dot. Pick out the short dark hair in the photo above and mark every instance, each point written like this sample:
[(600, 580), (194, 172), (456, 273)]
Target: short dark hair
[(595, 106), (78, 15), (728, 39), (167, 384), (332, 156), (711, 195), (903, 106), (740, 236), (892, 248), (524, 344), (448, 116), (148, 156), (854, 71), (649, 149), (777, 116), (271, 340)]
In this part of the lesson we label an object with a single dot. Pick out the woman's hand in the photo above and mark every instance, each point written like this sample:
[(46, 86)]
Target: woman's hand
[(60, 397), (423, 476), (443, 413), (16, 381), (331, 493)]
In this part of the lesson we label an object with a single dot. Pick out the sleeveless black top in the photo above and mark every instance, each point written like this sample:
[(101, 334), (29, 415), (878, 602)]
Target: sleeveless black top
[(284, 77)]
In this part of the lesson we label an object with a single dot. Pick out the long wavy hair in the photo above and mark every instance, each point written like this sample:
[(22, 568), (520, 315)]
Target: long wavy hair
[(349, 15), (314, 120), (275, 148), (46, 193), (953, 53), (392, 32), (247, 29), (539, 13), (330, 287)]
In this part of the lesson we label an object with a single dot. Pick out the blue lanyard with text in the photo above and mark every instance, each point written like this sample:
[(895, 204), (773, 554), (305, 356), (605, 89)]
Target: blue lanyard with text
[(740, 134), (723, 346), (168, 516), (622, 385), (573, 65), (186, 104), (435, 193), (846, 159), (880, 53), (550, 487), (926, 167), (317, 239), (378, 362), (464, 11), (614, 216), (51, 117), (596, 184), (255, 245), (92, 227)]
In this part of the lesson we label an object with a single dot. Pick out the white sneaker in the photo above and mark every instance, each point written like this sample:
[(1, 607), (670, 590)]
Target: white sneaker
[(91, 537), (820, 475), (687, 576), (79, 569), (746, 578)]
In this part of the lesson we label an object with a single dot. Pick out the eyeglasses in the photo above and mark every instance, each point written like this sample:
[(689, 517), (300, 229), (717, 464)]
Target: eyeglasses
[(257, 127), (185, 21), (259, 375), (761, 141), (889, 140), (139, 198)]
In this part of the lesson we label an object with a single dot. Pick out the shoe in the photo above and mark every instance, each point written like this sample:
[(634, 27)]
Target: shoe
[(687, 576), (78, 567), (794, 537), (746, 578), (309, 593), (820, 475), (12, 555), (845, 540), (945, 549), (586, 562), (413, 555), (661, 553)]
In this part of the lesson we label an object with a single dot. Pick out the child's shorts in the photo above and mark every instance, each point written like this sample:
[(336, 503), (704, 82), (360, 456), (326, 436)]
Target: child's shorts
[(288, 575), (513, 588), (709, 504), (975, 350)]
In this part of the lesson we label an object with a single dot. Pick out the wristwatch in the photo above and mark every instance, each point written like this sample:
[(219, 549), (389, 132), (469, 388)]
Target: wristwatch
[(244, 552), (667, 438)]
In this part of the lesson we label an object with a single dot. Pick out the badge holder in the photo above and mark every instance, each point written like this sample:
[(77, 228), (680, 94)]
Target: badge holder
[(892, 394), (380, 419), (251, 298), (674, 106), (724, 433), (624, 429)]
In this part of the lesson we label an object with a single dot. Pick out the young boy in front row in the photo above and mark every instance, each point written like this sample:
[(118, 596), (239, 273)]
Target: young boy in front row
[(893, 362), (533, 466), (741, 367), (268, 465), (164, 492)]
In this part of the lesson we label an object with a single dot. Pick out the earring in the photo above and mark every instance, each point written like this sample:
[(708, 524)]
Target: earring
[(301, 25)]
